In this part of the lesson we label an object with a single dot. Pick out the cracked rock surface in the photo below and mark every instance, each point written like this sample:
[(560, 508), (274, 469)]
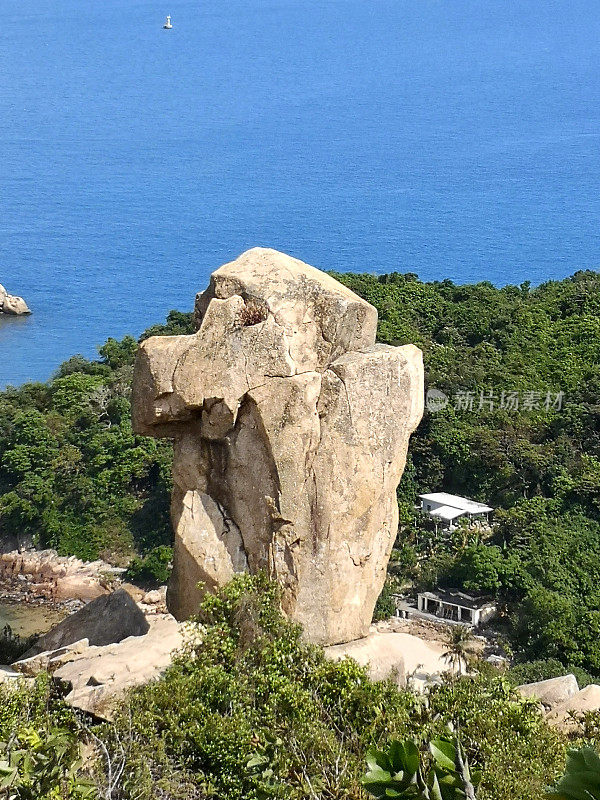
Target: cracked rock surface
[(291, 428)]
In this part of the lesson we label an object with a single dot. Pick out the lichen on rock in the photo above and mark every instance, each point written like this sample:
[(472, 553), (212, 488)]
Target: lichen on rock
[(291, 428)]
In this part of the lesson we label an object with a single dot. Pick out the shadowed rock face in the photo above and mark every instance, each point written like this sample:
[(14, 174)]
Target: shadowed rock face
[(105, 620), (291, 428)]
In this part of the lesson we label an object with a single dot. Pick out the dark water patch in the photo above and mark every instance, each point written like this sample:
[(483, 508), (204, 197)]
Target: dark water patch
[(27, 620)]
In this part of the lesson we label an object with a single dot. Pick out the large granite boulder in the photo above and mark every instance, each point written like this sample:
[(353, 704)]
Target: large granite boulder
[(406, 659), (291, 428), (551, 692), (105, 620), (11, 304)]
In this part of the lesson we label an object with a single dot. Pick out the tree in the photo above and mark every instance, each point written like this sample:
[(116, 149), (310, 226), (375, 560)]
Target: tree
[(459, 647)]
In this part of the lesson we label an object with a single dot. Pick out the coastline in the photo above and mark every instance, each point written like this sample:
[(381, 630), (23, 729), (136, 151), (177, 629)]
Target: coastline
[(43, 578), (39, 588)]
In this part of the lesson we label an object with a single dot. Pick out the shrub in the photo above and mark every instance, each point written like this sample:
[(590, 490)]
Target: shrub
[(12, 646), (581, 780), (403, 771), (153, 569), (252, 711), (385, 607), (543, 669), (43, 765)]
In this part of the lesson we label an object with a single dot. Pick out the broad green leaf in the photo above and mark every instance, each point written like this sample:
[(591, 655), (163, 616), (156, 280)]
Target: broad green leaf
[(444, 754)]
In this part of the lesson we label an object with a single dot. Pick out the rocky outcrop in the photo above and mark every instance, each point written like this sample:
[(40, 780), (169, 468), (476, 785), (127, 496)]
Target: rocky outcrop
[(406, 659), (8, 674), (561, 700), (551, 692), (104, 621), (43, 574), (567, 715), (94, 678), (382, 653), (11, 304), (291, 428)]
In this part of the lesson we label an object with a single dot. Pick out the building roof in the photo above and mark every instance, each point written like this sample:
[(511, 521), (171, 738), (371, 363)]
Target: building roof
[(455, 598), (446, 512), (454, 501)]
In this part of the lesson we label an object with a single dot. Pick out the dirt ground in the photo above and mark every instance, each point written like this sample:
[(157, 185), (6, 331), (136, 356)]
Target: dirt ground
[(428, 631)]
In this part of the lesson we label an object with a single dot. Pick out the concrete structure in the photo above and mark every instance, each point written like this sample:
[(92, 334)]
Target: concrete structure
[(447, 508), (456, 606)]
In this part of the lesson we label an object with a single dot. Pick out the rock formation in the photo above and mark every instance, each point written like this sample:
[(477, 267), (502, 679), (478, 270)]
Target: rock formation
[(569, 714), (11, 304), (562, 702), (95, 677), (551, 692), (105, 620), (291, 428), (36, 574)]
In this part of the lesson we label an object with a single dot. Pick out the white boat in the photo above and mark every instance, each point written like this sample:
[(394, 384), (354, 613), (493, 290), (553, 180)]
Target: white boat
[(167, 24)]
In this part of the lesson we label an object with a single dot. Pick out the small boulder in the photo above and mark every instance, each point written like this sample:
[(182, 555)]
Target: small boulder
[(406, 659), (78, 587), (551, 692), (154, 597), (15, 306), (106, 620), (134, 591), (587, 699)]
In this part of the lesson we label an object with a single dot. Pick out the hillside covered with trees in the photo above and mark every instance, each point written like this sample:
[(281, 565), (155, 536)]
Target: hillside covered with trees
[(520, 367), (521, 431)]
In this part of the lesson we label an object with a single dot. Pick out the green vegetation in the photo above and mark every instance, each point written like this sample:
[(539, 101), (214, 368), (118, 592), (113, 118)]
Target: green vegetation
[(255, 712), (153, 569), (460, 647), (72, 474), (252, 711), (40, 741), (12, 646), (40, 765), (402, 771), (539, 466), (581, 780)]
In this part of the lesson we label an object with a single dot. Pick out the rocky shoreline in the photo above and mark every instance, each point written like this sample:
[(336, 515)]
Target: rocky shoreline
[(44, 578), (12, 305)]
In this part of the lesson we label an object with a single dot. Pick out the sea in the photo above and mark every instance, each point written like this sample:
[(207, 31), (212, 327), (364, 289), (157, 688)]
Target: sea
[(450, 138)]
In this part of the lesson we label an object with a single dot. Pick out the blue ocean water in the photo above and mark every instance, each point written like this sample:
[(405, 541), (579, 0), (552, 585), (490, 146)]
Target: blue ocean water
[(452, 139)]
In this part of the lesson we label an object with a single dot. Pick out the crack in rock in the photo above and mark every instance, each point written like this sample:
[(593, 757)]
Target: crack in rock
[(298, 463)]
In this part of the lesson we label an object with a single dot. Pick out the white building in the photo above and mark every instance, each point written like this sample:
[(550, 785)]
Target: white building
[(456, 606), (446, 508)]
